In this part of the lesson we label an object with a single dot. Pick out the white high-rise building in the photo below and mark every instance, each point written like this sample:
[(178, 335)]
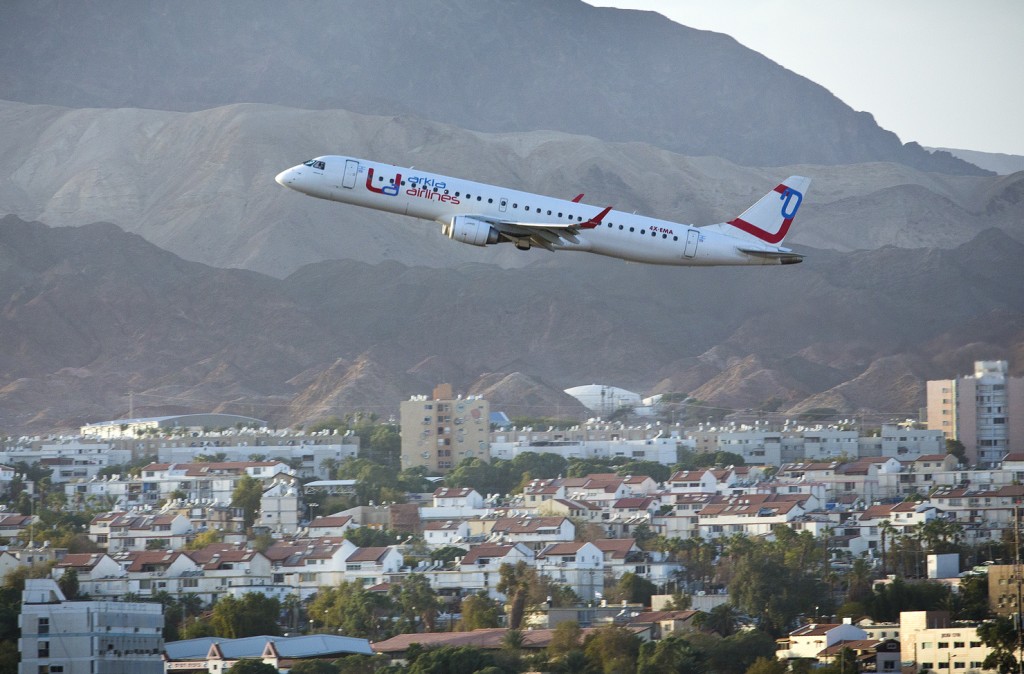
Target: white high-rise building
[(985, 412), (87, 637)]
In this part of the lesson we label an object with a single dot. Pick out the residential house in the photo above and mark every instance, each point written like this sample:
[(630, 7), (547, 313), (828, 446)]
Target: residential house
[(439, 534), (333, 526), (693, 481), (752, 515), (534, 532), (480, 569), (139, 531), (578, 564), (811, 639)]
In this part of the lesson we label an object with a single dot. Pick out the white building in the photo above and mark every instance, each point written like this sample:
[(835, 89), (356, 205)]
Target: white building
[(72, 459), (180, 423), (810, 640), (580, 565), (279, 506), (984, 411), (87, 637), (603, 400)]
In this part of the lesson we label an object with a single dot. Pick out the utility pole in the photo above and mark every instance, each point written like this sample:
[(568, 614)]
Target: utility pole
[(1016, 573)]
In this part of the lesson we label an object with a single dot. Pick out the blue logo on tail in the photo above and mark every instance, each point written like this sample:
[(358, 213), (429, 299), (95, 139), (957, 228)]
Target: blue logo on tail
[(790, 203)]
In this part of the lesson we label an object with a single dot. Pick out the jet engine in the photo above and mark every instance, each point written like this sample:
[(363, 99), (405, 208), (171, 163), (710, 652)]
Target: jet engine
[(470, 230)]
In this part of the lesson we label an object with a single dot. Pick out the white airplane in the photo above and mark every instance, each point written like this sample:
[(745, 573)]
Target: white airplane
[(481, 215)]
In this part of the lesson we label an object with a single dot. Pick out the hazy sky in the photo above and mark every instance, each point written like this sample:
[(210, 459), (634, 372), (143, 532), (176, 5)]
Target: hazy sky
[(945, 73)]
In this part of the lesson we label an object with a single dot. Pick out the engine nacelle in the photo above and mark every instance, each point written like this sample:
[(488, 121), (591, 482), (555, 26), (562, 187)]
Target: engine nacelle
[(470, 230)]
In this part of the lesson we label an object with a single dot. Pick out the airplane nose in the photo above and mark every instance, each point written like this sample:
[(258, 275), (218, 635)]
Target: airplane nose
[(285, 177)]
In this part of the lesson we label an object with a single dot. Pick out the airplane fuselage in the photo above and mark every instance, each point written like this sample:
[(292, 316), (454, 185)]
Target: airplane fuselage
[(482, 214)]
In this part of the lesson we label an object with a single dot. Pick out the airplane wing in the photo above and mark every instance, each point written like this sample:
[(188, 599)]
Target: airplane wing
[(543, 234)]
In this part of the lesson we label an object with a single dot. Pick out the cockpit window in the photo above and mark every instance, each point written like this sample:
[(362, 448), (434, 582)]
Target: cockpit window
[(314, 163)]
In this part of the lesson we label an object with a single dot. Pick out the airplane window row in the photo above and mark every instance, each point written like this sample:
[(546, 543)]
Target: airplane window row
[(527, 208), (644, 231), (489, 200)]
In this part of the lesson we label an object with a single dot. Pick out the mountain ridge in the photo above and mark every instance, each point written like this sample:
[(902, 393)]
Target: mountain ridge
[(201, 185), (93, 313), (533, 66)]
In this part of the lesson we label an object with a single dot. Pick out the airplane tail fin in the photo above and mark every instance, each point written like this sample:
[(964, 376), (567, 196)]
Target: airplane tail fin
[(769, 220)]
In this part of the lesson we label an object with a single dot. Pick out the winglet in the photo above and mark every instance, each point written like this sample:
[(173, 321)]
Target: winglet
[(577, 198), (594, 221)]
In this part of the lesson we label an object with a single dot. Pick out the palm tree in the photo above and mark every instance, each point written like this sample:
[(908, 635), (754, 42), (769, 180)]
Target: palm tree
[(515, 585), (885, 529), (513, 640), (858, 585)]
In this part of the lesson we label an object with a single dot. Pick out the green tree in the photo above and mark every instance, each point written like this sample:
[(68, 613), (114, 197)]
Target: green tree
[(737, 652), (565, 639), (539, 466), (889, 600), (1001, 637), (669, 655), (767, 665), (417, 602), (573, 663), (348, 607), (201, 627), (452, 660), (957, 449), (634, 589), (205, 538), (384, 446), (252, 666), (447, 554), (515, 582), (374, 481), (486, 478), (479, 611), (366, 537), (858, 581), (722, 620), (314, 667), (68, 583), (972, 598), (9, 657), (612, 650), (658, 472), (254, 614), (247, 495), (544, 590), (772, 581)]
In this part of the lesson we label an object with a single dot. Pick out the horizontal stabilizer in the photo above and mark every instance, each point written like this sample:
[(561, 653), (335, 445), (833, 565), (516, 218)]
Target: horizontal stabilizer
[(783, 256)]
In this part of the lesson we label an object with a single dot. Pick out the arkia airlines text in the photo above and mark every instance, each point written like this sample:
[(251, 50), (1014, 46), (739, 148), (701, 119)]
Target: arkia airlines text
[(481, 215)]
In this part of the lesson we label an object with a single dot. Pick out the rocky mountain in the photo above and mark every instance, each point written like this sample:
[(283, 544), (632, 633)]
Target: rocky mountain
[(487, 65), (165, 122), (92, 313), (997, 162), (201, 185)]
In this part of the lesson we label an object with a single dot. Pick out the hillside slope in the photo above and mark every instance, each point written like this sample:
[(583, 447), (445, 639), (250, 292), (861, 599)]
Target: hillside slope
[(92, 313)]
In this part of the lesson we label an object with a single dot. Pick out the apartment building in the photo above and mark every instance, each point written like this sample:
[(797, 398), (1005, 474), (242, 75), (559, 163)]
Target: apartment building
[(87, 637), (984, 411), (440, 431)]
